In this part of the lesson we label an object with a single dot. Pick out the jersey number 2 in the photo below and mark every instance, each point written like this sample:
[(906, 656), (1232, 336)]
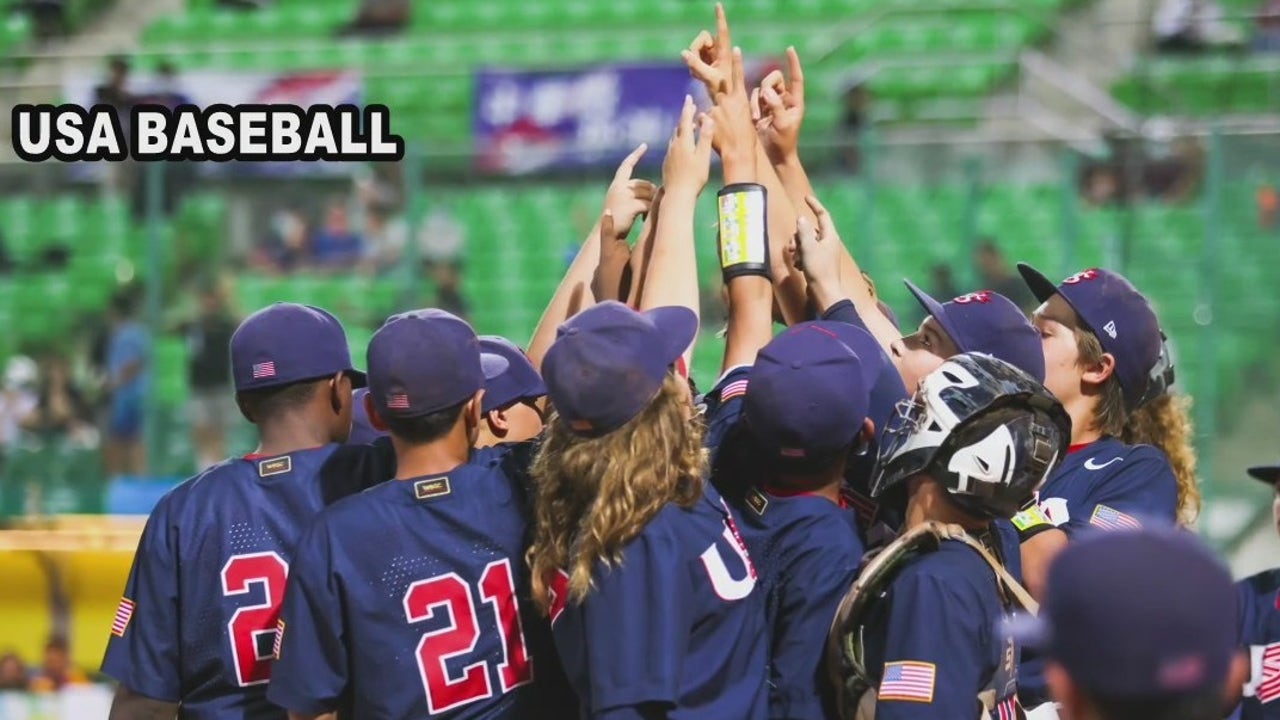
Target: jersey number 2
[(452, 595), (251, 625)]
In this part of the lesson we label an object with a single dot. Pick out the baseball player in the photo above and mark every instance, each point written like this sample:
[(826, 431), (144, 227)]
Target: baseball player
[(1259, 614), (803, 407), (411, 599), (194, 632), (1130, 462), (918, 636), (513, 404), (1138, 624), (638, 564), (513, 399)]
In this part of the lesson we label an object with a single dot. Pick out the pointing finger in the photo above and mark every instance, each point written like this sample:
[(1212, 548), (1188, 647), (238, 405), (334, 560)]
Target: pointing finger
[(628, 164)]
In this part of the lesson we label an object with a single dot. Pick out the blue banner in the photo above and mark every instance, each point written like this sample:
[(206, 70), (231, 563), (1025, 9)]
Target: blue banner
[(526, 122)]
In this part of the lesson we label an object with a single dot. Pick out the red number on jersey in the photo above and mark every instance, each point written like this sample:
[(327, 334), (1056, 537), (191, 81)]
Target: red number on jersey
[(452, 595), (250, 623)]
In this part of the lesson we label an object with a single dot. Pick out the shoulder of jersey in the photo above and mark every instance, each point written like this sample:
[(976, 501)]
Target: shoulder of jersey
[(1113, 456), (1265, 582), (211, 479)]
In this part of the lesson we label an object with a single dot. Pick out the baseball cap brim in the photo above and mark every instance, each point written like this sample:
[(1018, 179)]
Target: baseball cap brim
[(679, 325), (939, 313), (1043, 288), (1268, 474)]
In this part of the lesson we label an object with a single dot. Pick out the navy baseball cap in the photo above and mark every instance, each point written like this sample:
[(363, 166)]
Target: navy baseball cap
[(423, 361), (609, 361), (517, 381), (988, 322), (1138, 614), (1111, 308), (1268, 474), (285, 343), (809, 389)]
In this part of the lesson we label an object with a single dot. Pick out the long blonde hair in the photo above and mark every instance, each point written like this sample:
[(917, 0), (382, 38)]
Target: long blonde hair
[(1164, 422), (595, 495)]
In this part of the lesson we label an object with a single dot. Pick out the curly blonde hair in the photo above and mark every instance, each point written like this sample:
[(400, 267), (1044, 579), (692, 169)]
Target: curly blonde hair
[(1164, 422), (595, 495)]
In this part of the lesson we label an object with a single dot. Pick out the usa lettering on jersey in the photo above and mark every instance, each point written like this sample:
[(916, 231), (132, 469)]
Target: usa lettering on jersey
[(1266, 672)]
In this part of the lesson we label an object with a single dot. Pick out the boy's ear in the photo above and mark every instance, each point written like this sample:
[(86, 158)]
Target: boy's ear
[(374, 418)]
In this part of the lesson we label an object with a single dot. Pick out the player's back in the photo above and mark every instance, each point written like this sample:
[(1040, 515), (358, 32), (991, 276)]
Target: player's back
[(197, 623), (411, 600)]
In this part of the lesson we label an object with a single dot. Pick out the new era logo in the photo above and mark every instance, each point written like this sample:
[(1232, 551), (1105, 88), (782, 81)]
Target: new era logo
[(1110, 329), (398, 402), (264, 370)]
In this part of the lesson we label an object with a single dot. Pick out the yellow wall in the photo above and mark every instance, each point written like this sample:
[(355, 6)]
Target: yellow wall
[(93, 581)]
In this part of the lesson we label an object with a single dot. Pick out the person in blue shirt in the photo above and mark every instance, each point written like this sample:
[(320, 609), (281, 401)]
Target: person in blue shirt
[(194, 632), (1138, 625), (1130, 463), (804, 406), (1258, 601), (635, 559), (977, 438), (411, 600), (128, 376)]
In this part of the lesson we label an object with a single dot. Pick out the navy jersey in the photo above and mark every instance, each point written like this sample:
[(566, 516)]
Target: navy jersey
[(676, 628), (935, 640), (807, 553), (1109, 485), (722, 408), (197, 622), (1105, 485), (411, 600), (1259, 603)]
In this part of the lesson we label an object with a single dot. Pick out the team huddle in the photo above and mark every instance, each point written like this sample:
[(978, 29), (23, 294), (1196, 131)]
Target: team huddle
[(851, 522)]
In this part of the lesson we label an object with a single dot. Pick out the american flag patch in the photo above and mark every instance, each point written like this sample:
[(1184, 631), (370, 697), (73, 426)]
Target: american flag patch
[(398, 402), (124, 613), (737, 388), (1109, 518), (1267, 688), (1007, 709), (275, 647), (910, 680), (264, 369)]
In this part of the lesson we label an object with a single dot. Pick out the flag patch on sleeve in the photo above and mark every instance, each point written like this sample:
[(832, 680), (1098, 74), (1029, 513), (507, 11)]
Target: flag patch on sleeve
[(275, 648), (124, 613), (737, 388), (1109, 518), (910, 680)]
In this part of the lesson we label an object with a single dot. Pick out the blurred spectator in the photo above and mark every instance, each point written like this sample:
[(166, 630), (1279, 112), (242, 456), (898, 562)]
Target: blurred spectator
[(1266, 34), (854, 119), (61, 410), (448, 279), (18, 400), (57, 671), (212, 404), (115, 92), (994, 274), (1190, 26), (336, 244), (13, 672), (378, 17), (1101, 185), (179, 175), (128, 361), (287, 247), (1268, 201)]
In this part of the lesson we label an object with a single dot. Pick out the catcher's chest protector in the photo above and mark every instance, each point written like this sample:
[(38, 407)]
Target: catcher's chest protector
[(856, 689)]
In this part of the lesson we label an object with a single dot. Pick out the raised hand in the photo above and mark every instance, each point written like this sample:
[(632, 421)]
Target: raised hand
[(688, 162), (708, 58), (818, 249), (628, 198), (779, 109), (735, 131)]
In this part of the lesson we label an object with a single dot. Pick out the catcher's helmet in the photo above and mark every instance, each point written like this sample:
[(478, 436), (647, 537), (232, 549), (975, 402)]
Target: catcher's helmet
[(985, 430)]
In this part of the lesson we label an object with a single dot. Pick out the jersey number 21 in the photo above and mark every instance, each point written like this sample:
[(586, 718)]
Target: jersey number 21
[(252, 629), (450, 594)]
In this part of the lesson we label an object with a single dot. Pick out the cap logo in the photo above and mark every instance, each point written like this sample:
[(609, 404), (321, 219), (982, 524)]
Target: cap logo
[(264, 370), (581, 425), (792, 452), (1082, 276), (982, 296), (1110, 329), (398, 402), (1182, 674), (430, 489)]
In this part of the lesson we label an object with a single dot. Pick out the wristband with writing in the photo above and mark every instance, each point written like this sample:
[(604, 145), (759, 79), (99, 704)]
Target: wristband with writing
[(743, 237)]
